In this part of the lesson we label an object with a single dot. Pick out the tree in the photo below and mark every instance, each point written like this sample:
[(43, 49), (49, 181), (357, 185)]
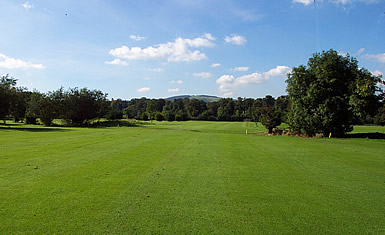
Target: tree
[(18, 104), (84, 105), (326, 94), (225, 109), (33, 108), (7, 91), (270, 117), (159, 116), (195, 107), (150, 109)]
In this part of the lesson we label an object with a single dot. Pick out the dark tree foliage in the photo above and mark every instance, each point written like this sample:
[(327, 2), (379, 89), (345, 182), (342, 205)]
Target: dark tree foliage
[(379, 118), (195, 108), (159, 116), (326, 94), (114, 114), (270, 117), (33, 107), (18, 104), (225, 109), (119, 104), (7, 93), (84, 105)]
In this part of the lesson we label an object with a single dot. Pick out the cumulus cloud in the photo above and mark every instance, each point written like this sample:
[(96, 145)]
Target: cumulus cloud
[(179, 50), (227, 84), (241, 69), (136, 37), (27, 5), (173, 90), (117, 62), (12, 63), (143, 89), (202, 75), (209, 36), (215, 65), (177, 82), (236, 39), (378, 57)]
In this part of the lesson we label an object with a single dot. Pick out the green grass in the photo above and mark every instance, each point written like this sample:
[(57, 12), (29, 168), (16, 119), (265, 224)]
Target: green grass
[(188, 177)]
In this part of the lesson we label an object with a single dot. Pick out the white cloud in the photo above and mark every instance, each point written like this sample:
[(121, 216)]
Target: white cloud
[(136, 37), (158, 70), (360, 51), (241, 69), (236, 39), (143, 89), (209, 36), (202, 75), (305, 2), (343, 2), (27, 5), (176, 51), (342, 53), (337, 2), (215, 65), (173, 90), (177, 82), (11, 63), (228, 83), (378, 57), (117, 62), (377, 73)]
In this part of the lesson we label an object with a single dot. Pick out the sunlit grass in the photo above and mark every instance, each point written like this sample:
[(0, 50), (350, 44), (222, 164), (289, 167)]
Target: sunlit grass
[(188, 177)]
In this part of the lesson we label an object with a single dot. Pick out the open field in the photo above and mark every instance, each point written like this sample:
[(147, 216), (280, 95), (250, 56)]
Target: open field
[(188, 177)]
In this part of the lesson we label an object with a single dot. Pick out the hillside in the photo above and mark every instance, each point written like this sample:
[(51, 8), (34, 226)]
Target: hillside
[(205, 98)]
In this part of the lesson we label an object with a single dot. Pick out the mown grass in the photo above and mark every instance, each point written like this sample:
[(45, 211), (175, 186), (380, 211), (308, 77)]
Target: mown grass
[(188, 177)]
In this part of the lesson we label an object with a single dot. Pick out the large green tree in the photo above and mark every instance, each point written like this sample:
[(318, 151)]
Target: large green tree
[(328, 93), (81, 106)]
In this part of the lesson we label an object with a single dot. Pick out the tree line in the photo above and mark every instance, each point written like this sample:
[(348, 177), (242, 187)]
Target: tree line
[(79, 106), (328, 95)]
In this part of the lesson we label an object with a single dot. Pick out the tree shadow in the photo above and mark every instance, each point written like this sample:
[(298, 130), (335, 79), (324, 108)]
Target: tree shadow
[(37, 129), (376, 135), (114, 123)]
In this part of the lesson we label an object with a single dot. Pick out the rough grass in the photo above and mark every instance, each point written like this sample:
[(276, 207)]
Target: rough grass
[(188, 177)]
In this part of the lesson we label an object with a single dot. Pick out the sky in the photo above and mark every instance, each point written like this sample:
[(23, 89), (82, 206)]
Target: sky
[(162, 48)]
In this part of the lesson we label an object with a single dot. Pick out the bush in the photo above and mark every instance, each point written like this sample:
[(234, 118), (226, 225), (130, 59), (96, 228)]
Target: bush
[(159, 117), (30, 120), (169, 116), (178, 118), (114, 114), (145, 116)]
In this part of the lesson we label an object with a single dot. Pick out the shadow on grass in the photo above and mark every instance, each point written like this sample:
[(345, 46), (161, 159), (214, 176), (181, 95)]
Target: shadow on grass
[(376, 135), (37, 129), (115, 123)]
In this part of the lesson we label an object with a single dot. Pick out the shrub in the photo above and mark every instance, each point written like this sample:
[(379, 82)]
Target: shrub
[(159, 116)]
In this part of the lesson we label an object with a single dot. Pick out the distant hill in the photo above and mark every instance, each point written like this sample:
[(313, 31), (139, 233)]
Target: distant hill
[(205, 98)]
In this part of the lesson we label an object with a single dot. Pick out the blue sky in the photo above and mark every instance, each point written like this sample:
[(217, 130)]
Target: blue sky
[(136, 48)]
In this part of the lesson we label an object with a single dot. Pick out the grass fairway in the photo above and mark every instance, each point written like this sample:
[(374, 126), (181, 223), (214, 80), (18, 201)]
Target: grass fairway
[(188, 177)]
